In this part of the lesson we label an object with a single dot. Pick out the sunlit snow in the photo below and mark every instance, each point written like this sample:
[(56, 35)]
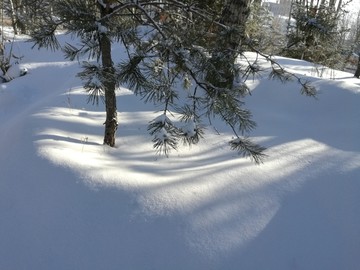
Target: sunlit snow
[(69, 202)]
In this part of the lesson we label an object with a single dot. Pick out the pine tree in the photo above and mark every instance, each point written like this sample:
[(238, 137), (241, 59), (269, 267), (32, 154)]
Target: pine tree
[(21, 12), (178, 52), (264, 31), (315, 35)]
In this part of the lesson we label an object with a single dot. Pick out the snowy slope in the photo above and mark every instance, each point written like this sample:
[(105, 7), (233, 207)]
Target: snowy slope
[(68, 202)]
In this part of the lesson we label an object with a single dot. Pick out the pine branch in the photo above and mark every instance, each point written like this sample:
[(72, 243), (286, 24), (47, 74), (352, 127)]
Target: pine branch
[(92, 77), (165, 134), (129, 73), (95, 93), (253, 70), (192, 131), (308, 89), (71, 52), (152, 21), (45, 37), (246, 148), (279, 73), (226, 104)]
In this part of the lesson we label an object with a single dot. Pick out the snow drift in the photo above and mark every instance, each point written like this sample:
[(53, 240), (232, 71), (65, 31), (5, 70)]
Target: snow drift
[(68, 202)]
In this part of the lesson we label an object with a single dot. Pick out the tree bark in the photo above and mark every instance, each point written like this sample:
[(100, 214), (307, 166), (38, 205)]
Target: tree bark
[(234, 15), (338, 10), (13, 17), (357, 72), (109, 81)]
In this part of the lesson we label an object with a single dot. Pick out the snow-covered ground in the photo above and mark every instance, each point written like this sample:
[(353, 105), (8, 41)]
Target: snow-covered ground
[(68, 202)]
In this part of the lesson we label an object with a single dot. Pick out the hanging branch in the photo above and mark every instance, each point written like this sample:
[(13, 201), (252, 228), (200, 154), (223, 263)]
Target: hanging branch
[(278, 72)]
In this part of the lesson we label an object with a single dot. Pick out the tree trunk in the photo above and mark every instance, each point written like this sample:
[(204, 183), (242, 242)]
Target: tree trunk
[(234, 15), (109, 82), (13, 17), (357, 72), (338, 10)]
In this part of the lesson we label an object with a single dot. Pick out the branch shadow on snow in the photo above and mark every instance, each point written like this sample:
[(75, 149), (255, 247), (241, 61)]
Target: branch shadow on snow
[(83, 141), (201, 208), (227, 210)]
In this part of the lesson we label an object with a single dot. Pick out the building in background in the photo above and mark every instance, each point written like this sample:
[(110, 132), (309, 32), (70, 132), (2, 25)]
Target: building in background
[(279, 8)]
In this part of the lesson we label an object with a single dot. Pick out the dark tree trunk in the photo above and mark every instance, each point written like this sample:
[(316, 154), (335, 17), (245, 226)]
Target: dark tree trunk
[(109, 82), (234, 15), (357, 72)]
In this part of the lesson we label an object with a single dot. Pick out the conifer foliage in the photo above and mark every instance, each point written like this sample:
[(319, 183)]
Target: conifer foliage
[(315, 35), (176, 51)]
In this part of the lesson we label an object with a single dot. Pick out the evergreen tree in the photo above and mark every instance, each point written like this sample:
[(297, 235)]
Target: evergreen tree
[(315, 34), (264, 30), (176, 50), (23, 13)]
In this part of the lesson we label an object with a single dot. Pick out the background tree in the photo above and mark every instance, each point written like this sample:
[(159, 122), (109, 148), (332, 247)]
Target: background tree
[(265, 31), (355, 43), (23, 13), (316, 36), (357, 71)]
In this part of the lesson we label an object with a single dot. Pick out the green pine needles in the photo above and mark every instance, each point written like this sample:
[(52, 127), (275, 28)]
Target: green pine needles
[(181, 56)]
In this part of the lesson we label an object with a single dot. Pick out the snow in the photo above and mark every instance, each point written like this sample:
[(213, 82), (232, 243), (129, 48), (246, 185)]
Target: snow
[(101, 28), (14, 71), (189, 128), (68, 202)]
